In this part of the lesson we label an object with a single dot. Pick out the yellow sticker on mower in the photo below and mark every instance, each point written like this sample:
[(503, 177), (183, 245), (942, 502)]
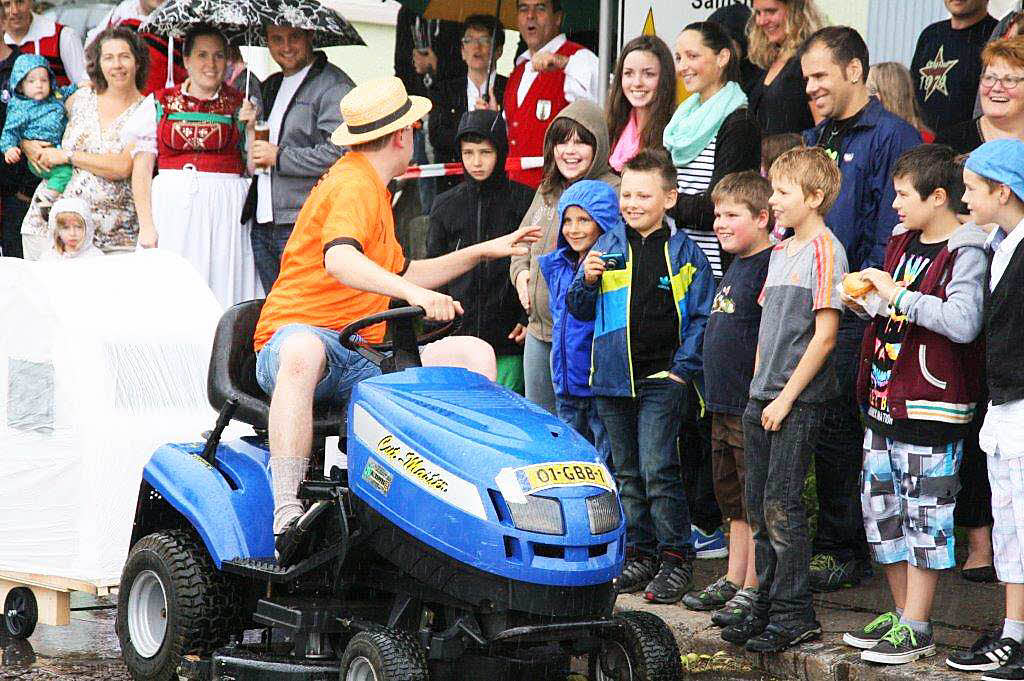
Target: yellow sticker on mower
[(563, 474)]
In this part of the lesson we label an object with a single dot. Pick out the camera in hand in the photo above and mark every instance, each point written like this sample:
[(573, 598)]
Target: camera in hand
[(614, 261)]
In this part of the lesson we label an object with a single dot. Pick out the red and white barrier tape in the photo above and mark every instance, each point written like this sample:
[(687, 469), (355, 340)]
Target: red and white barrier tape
[(449, 169)]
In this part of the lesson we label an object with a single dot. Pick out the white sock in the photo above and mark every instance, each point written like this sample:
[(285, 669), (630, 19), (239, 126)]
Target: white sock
[(1013, 629), (287, 473)]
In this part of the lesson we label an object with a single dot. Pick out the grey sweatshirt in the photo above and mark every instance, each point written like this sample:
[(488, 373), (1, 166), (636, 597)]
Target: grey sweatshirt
[(959, 316)]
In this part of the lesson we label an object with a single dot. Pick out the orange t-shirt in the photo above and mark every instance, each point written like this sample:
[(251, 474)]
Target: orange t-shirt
[(349, 205)]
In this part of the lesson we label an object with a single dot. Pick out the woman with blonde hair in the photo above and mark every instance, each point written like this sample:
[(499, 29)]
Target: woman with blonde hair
[(891, 82), (776, 29)]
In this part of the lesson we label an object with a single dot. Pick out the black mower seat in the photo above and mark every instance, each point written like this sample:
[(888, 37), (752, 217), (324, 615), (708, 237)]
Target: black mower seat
[(232, 373)]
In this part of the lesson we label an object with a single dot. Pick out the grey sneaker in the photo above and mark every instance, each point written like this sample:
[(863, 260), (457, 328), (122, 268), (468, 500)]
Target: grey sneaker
[(736, 610), (711, 597), (873, 632), (674, 579), (901, 645), (637, 573)]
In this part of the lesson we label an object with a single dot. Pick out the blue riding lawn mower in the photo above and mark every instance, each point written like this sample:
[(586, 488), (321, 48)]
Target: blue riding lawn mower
[(471, 536)]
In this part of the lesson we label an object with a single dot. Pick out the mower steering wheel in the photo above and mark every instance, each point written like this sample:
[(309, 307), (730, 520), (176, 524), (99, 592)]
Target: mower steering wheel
[(404, 342)]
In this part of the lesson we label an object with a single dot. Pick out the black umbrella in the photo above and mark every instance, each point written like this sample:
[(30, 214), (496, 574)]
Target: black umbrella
[(329, 28), (238, 20)]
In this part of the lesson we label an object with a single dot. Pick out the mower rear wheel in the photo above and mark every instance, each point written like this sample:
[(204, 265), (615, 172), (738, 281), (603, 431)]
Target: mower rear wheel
[(646, 651), (21, 612), (384, 655), (171, 602)]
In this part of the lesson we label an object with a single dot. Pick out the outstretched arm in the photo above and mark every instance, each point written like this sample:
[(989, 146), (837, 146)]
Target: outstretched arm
[(439, 271)]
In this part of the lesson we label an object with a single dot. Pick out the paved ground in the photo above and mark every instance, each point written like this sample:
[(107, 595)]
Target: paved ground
[(88, 649), (962, 611)]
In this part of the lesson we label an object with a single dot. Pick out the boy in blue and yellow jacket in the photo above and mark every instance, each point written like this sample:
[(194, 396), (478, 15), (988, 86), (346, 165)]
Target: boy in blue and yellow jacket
[(586, 210), (649, 307)]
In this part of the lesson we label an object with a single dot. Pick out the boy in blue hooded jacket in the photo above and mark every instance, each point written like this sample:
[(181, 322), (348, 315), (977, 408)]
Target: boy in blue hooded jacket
[(650, 308), (586, 210), (36, 112)]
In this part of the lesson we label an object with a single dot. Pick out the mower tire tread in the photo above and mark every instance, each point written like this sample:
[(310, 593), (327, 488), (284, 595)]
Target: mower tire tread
[(653, 646), (203, 602), (396, 654)]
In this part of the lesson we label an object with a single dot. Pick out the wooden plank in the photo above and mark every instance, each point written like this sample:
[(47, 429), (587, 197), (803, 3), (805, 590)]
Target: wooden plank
[(49, 582)]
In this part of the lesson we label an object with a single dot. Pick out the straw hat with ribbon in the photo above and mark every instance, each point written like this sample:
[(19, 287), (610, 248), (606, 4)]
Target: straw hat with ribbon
[(377, 108)]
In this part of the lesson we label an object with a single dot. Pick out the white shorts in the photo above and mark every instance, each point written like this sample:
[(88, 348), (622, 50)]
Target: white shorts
[(1006, 476)]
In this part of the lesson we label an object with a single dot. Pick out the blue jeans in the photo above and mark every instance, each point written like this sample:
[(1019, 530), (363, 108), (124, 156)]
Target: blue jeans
[(777, 465), (581, 414), (839, 453), (344, 367), (268, 242), (537, 372), (642, 431)]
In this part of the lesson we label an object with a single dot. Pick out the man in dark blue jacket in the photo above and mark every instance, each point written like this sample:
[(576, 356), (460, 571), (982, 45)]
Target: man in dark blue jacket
[(865, 140)]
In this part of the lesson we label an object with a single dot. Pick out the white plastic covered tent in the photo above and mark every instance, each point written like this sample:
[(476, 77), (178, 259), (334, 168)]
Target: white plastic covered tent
[(101, 361)]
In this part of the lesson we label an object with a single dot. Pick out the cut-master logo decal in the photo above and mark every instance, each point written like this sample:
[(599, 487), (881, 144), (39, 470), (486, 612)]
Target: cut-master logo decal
[(413, 466)]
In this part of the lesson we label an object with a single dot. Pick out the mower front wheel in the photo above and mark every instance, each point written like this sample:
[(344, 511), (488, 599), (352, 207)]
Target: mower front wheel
[(645, 651), (384, 655)]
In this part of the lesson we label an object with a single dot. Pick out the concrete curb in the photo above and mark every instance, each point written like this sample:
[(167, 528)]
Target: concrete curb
[(825, 660)]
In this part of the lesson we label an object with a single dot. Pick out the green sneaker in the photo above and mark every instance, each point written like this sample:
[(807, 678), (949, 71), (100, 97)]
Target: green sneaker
[(901, 645), (829, 574), (711, 597), (736, 610), (874, 632)]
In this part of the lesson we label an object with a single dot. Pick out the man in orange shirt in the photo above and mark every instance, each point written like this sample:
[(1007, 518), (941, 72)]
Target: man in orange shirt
[(343, 262)]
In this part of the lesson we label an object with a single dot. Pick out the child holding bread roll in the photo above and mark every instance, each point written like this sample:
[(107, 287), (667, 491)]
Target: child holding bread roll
[(918, 387)]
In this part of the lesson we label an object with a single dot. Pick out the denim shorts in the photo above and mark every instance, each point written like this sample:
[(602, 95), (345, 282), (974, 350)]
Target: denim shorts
[(344, 369)]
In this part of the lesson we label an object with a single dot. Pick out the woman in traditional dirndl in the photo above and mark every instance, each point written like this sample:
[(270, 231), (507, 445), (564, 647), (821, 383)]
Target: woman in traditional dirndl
[(193, 207)]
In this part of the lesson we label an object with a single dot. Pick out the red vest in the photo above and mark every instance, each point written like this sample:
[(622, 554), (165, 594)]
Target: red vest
[(49, 47), (200, 132), (157, 45), (528, 123)]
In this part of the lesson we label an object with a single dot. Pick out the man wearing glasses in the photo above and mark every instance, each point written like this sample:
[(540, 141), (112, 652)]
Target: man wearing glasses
[(551, 73), (483, 41)]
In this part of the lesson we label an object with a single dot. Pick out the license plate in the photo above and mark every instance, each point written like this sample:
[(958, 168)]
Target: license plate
[(569, 474)]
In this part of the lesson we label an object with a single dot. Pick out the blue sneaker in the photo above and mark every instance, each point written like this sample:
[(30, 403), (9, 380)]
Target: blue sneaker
[(709, 545)]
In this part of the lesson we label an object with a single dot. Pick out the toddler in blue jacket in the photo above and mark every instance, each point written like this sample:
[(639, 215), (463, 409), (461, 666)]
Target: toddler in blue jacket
[(649, 291), (586, 210), (36, 112)]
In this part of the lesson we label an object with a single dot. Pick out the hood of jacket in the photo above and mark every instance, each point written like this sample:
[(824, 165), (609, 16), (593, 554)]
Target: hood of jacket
[(79, 208), (597, 198), (25, 63), (572, 338), (591, 117), (491, 126)]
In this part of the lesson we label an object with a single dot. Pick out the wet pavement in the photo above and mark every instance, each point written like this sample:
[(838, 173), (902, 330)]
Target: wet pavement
[(88, 648)]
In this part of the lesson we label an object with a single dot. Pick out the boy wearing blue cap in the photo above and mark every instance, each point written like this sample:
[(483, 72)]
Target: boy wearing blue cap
[(994, 179), (649, 292), (586, 210)]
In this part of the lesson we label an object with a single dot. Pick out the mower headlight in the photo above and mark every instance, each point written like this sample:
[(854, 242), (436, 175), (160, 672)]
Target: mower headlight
[(603, 511), (538, 514)]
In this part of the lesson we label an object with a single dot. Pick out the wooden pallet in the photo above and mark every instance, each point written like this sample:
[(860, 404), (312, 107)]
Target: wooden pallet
[(53, 594)]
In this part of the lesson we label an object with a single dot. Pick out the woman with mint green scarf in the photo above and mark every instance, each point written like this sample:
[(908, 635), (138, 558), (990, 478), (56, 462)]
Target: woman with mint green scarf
[(711, 134)]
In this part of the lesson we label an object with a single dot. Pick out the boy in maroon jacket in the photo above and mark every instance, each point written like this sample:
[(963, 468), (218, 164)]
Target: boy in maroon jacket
[(918, 386)]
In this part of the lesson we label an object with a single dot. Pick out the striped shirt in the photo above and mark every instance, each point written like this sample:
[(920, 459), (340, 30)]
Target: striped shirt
[(797, 286), (692, 179)]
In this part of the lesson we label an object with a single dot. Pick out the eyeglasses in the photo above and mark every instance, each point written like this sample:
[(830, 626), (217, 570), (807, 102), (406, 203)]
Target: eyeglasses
[(482, 42), (1008, 82)]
